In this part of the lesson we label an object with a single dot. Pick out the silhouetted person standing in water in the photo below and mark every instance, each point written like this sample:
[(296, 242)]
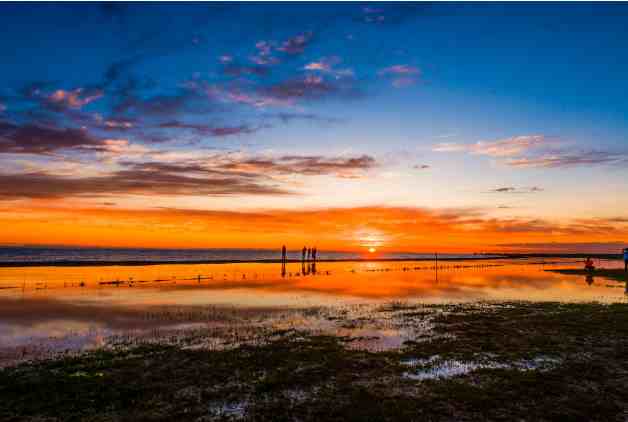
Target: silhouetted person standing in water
[(303, 254), (309, 254), (314, 254), (284, 258), (626, 262)]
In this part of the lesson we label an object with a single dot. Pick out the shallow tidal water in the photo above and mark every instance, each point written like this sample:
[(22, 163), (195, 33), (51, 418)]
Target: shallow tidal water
[(45, 311)]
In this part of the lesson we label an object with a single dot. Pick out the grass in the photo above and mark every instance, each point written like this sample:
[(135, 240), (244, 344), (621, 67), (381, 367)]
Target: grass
[(297, 375)]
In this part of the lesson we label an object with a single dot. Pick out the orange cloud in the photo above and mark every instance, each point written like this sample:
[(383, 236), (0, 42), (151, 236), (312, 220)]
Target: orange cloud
[(389, 229)]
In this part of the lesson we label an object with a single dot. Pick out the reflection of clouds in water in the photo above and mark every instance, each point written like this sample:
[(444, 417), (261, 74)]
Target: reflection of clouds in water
[(82, 317)]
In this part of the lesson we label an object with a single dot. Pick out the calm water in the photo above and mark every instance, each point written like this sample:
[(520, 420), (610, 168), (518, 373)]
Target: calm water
[(52, 255), (45, 310)]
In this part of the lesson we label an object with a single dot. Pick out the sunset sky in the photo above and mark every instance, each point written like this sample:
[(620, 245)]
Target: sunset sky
[(404, 127)]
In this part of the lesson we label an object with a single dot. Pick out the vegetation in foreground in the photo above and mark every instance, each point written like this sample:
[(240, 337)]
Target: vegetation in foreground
[(521, 361)]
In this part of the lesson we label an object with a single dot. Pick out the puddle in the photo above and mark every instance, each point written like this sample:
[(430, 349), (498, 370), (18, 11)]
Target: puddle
[(232, 410), (435, 368)]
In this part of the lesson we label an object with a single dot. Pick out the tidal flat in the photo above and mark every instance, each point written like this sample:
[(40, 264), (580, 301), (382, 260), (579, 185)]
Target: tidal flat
[(475, 361), (526, 339)]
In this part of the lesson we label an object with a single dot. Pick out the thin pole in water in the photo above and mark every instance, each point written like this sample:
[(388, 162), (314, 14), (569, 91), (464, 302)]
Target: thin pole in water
[(436, 266)]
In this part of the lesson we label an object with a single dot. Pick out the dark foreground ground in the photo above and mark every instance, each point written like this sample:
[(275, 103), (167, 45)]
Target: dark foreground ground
[(513, 361)]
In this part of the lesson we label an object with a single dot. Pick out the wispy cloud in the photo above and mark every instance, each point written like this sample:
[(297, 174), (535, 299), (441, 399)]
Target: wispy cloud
[(351, 167), (234, 69), (565, 247), (216, 175), (128, 182), (116, 124), (400, 69), (286, 93), (287, 117), (36, 139), (500, 148), (158, 105), (570, 159), (310, 87), (402, 74), (513, 189), (328, 65), (296, 44), (75, 98), (209, 130), (531, 151)]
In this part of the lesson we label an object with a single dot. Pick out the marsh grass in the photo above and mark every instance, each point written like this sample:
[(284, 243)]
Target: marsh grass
[(299, 375)]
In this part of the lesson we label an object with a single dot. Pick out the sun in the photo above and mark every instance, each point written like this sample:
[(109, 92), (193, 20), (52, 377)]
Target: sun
[(372, 250)]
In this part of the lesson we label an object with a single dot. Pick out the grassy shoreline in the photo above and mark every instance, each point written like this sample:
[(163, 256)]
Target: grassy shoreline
[(524, 361)]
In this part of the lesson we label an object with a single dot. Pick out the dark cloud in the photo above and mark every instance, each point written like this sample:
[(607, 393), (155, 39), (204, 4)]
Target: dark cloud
[(394, 13), (289, 117), (215, 176), (296, 44), (617, 220), (118, 70), (570, 159), (236, 70), (133, 181), (306, 87), (566, 247), (309, 87), (306, 165), (207, 130), (200, 168), (512, 189), (35, 139), (34, 89), (157, 105)]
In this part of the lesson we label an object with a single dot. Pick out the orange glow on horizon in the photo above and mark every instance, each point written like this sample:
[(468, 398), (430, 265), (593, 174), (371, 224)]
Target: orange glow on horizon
[(341, 229)]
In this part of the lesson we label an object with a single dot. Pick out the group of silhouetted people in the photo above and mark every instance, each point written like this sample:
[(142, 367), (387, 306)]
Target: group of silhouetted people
[(307, 255)]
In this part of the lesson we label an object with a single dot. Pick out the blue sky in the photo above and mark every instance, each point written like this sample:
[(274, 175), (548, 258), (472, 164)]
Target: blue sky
[(516, 109)]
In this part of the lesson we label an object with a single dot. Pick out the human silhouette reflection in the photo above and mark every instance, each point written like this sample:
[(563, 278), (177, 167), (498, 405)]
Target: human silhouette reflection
[(589, 279), (283, 260)]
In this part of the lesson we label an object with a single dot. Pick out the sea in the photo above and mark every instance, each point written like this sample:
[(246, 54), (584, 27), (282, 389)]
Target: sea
[(52, 255)]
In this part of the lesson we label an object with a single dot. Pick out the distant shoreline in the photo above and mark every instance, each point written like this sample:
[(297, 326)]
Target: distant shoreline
[(104, 263)]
